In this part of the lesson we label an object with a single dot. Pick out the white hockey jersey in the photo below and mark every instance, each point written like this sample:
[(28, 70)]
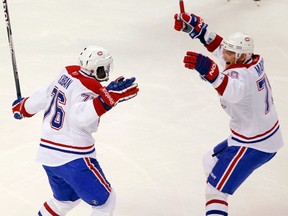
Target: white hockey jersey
[(245, 94), (69, 117)]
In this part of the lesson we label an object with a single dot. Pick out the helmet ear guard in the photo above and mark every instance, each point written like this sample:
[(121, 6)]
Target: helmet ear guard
[(96, 61), (240, 43)]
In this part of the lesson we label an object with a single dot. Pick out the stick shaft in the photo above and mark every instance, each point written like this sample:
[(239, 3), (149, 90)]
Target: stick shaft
[(10, 40), (181, 4)]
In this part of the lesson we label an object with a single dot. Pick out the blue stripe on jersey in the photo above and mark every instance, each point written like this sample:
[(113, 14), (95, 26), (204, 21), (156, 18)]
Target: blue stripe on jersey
[(254, 141), (67, 151), (39, 213), (216, 212)]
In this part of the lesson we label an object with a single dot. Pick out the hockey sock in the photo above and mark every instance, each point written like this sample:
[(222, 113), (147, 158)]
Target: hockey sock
[(216, 202), (49, 209)]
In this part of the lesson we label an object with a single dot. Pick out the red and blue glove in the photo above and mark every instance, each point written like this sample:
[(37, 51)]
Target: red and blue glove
[(18, 109), (117, 91), (191, 24), (206, 67)]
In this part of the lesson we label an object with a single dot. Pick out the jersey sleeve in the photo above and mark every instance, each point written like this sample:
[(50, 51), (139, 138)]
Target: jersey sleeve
[(84, 114), (212, 41), (232, 85), (38, 100)]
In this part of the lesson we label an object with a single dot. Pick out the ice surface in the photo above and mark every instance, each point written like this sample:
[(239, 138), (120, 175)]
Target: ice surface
[(151, 147)]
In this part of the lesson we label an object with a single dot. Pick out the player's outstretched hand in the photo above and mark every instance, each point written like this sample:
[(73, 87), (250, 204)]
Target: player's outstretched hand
[(190, 23), (18, 109), (206, 67), (118, 91)]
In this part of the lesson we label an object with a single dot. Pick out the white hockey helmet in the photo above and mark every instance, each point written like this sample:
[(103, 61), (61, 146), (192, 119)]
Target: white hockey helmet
[(239, 43), (96, 61)]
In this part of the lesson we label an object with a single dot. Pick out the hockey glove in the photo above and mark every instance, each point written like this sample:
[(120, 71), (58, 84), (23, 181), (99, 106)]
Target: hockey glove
[(117, 91), (120, 79), (18, 109), (206, 67), (191, 24)]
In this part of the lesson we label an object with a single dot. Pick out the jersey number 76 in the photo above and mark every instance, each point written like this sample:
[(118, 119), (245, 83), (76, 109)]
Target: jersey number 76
[(55, 109)]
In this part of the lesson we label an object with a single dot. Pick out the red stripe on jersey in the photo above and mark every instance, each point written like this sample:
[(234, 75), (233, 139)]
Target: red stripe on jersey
[(216, 201), (221, 88), (67, 146), (230, 168), (99, 107), (257, 136), (97, 174), (47, 207), (214, 44), (89, 82), (23, 110)]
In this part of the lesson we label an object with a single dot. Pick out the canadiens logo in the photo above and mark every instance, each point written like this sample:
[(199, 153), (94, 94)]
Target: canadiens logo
[(233, 74)]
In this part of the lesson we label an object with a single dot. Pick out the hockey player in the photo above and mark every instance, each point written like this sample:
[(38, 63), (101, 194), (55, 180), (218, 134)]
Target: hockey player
[(245, 94), (73, 104)]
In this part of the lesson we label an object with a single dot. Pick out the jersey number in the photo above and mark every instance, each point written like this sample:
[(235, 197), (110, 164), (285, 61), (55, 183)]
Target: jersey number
[(55, 109), (263, 84)]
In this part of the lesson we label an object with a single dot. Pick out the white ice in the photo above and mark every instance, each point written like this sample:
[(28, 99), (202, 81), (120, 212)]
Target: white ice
[(151, 147)]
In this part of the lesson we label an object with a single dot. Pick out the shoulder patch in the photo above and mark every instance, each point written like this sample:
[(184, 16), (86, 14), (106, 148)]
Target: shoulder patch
[(233, 74)]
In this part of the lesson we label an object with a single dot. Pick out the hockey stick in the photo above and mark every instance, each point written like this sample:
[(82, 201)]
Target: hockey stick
[(10, 40), (181, 4)]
